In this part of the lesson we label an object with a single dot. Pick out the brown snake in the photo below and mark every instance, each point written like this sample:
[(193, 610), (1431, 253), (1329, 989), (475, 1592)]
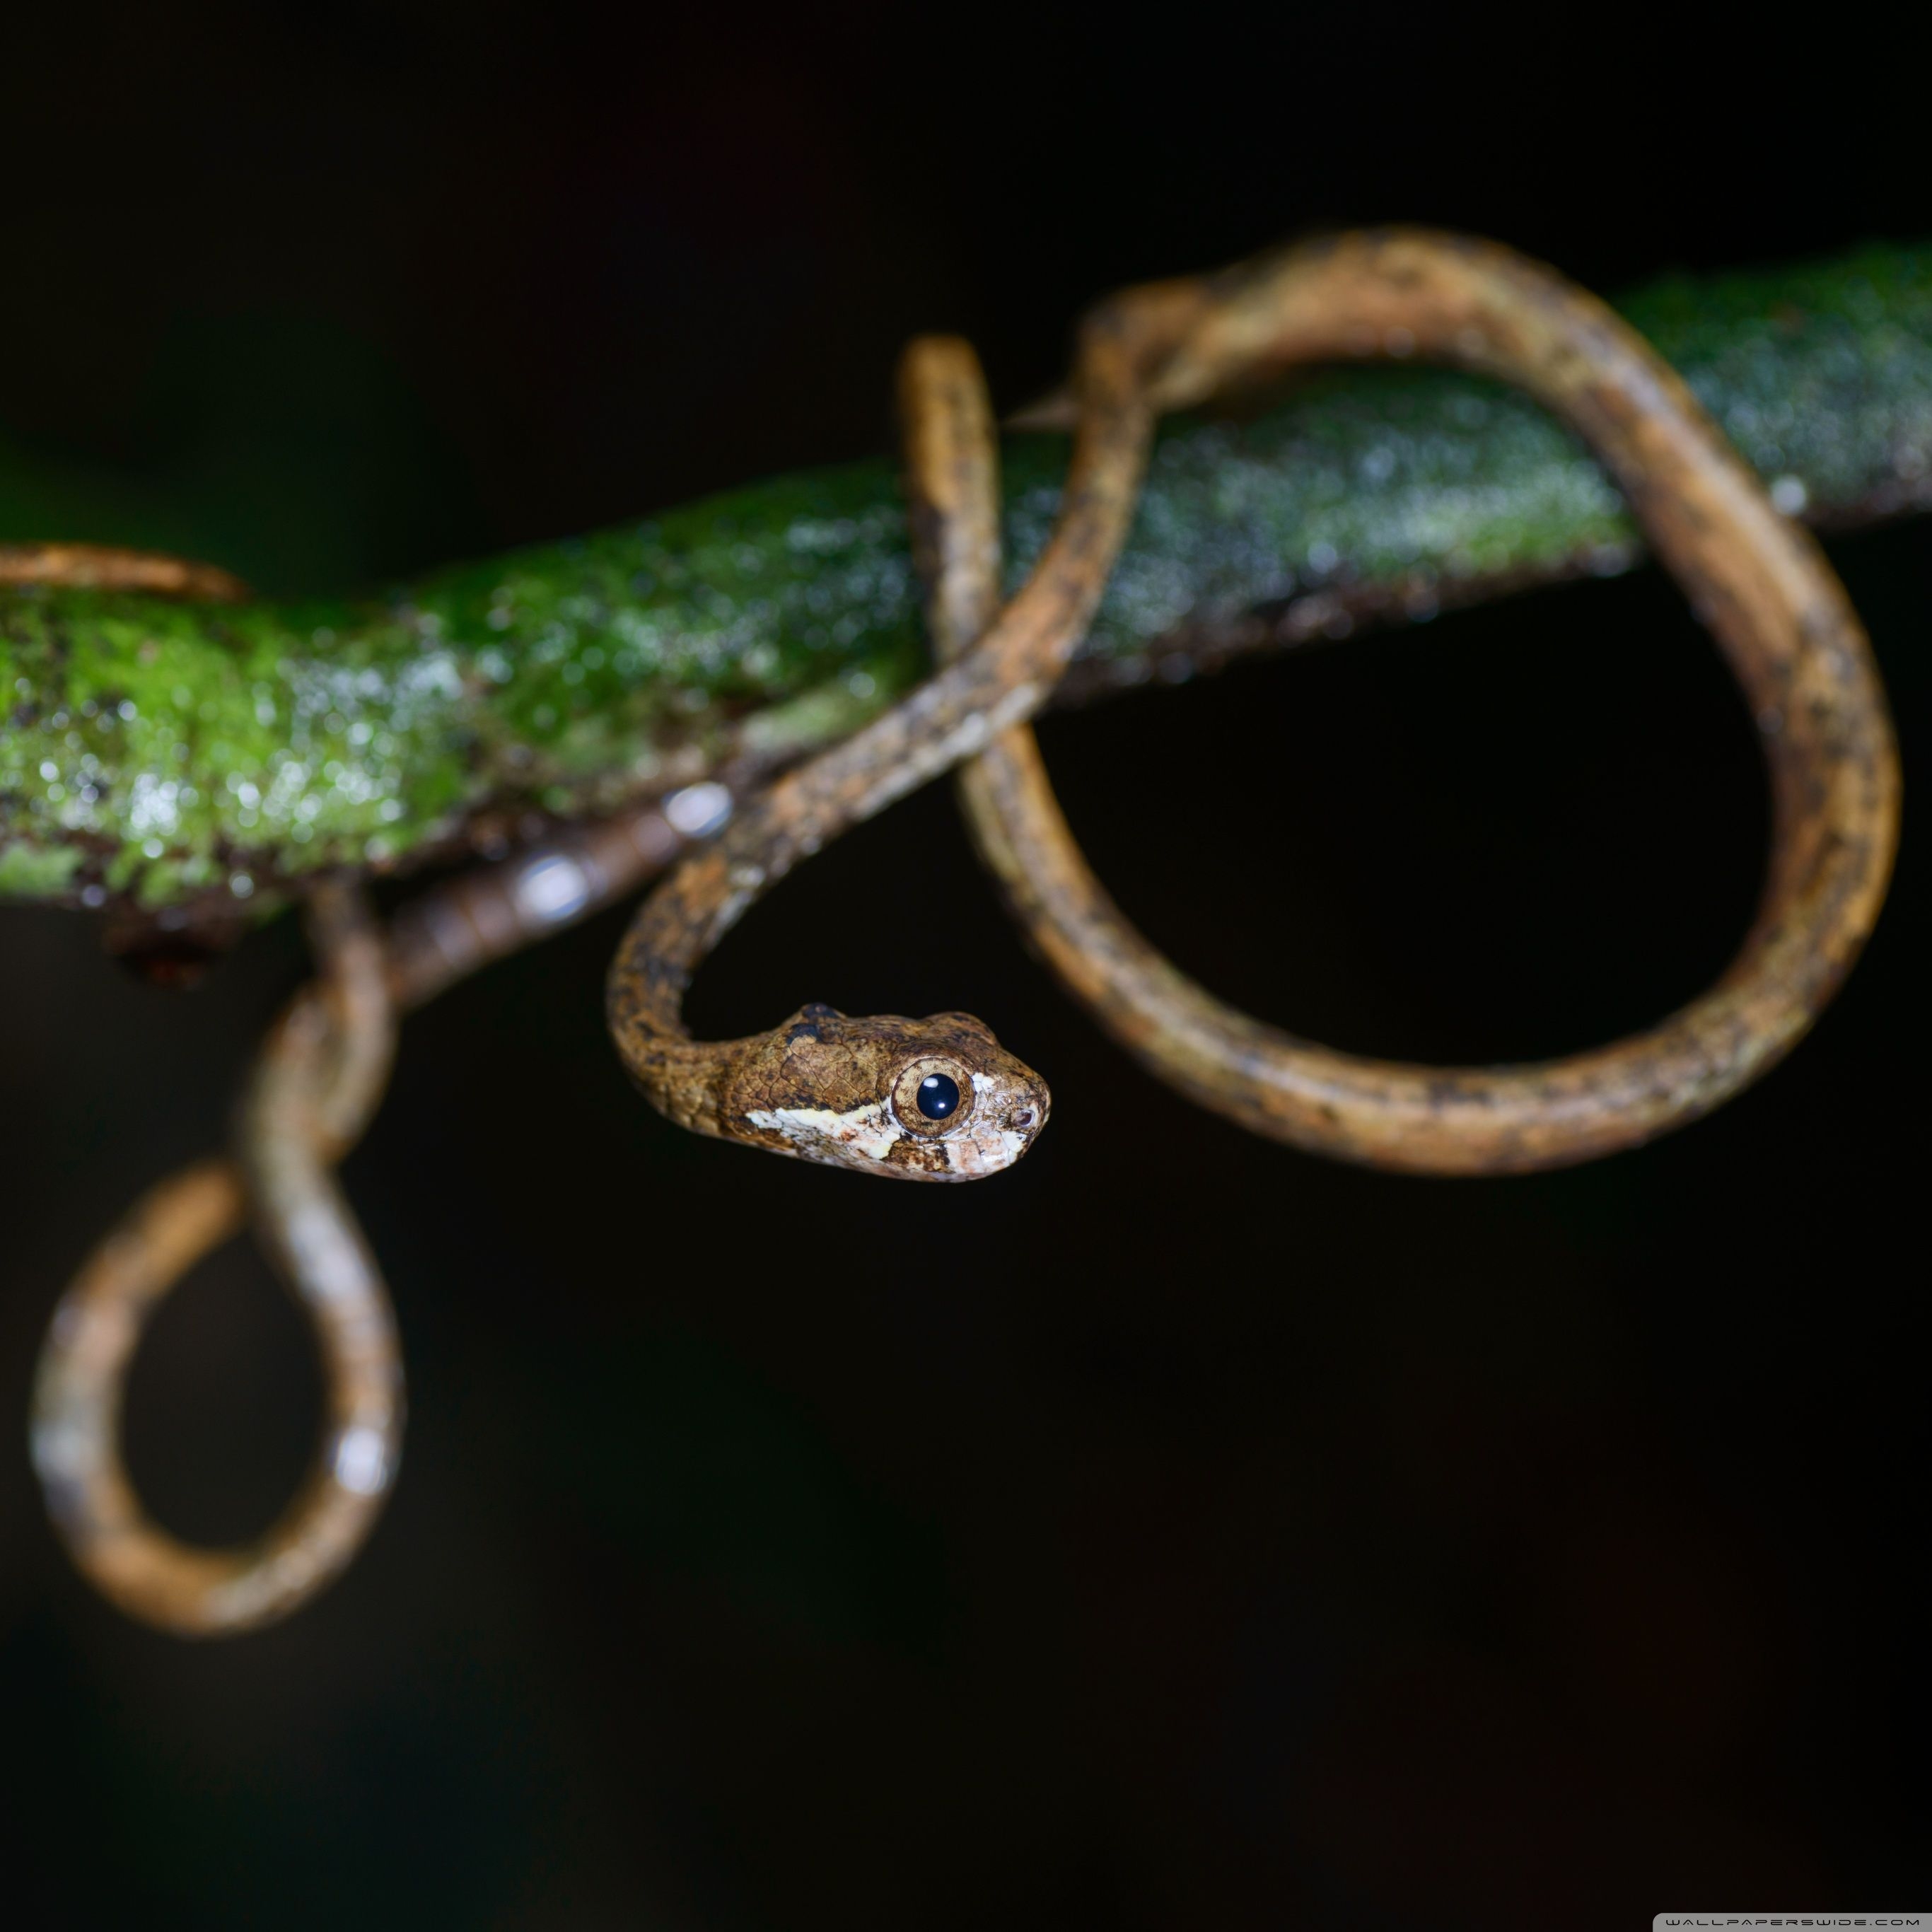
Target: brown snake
[(937, 1099)]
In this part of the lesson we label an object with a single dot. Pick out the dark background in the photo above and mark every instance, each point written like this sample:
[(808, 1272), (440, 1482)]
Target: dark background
[(1179, 1531)]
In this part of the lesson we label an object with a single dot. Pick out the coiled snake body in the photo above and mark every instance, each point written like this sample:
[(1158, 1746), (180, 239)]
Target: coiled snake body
[(1761, 586)]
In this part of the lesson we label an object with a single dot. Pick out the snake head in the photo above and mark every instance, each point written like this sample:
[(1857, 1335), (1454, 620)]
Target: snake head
[(933, 1099)]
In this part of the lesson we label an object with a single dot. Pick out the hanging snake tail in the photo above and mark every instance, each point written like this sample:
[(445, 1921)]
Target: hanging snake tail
[(317, 1080), (317, 1085)]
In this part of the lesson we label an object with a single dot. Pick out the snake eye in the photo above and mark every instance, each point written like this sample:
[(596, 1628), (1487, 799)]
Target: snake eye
[(933, 1096), (937, 1097)]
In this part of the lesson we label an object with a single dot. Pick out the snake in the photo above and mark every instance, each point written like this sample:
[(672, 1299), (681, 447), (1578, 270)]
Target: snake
[(938, 1098)]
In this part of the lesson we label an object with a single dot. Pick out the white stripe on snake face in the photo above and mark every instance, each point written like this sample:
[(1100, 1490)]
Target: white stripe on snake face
[(865, 1134)]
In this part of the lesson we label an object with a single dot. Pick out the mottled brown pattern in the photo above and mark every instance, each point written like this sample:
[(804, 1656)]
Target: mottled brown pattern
[(1760, 584)]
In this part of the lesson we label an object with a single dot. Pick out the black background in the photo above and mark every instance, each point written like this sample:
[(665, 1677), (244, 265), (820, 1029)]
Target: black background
[(1178, 1532)]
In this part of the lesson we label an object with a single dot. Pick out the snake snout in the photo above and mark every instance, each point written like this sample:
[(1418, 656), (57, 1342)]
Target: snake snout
[(968, 1107)]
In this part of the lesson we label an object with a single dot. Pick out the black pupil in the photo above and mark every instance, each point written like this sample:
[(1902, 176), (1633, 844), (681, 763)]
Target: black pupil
[(938, 1096)]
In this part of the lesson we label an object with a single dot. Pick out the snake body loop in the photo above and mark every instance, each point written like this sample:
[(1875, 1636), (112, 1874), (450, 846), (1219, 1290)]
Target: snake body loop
[(1760, 584), (318, 1078)]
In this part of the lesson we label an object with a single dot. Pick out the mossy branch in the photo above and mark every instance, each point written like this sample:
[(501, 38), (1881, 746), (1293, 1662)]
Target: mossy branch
[(185, 757)]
